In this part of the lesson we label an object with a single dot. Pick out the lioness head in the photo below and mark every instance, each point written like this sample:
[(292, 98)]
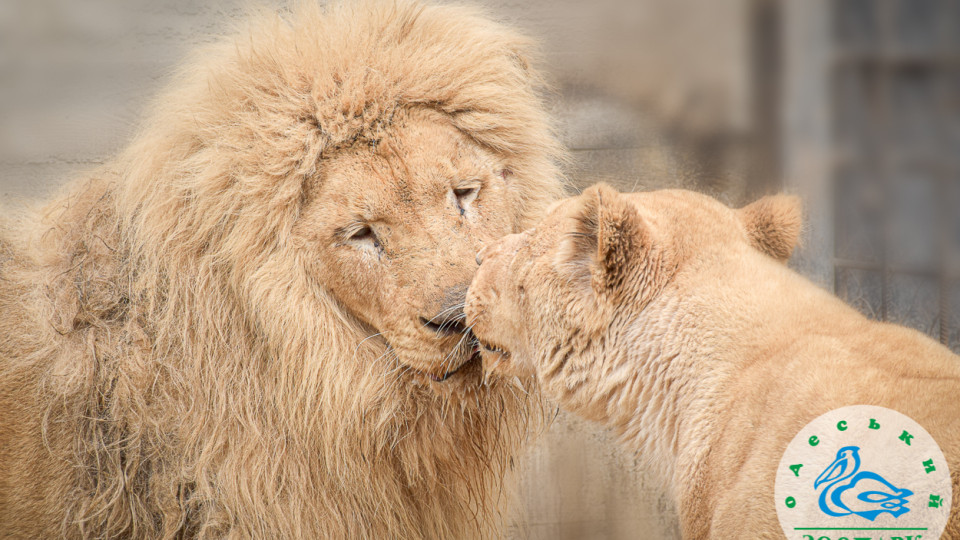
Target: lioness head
[(603, 255), (392, 229)]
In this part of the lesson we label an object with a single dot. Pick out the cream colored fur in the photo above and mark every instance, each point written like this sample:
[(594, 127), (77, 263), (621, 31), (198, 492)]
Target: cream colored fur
[(673, 320), (219, 333)]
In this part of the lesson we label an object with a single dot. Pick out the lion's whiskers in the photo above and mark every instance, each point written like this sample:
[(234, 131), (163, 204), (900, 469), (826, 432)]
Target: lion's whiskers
[(449, 309), (456, 348), (364, 340), (445, 324)]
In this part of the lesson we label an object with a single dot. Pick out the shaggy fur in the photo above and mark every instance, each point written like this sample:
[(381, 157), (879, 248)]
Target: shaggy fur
[(172, 361), (672, 319)]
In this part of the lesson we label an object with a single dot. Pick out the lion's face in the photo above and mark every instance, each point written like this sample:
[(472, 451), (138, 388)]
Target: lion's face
[(392, 230)]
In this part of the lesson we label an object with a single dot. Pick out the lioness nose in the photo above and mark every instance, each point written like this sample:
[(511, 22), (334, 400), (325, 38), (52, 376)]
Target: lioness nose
[(480, 255)]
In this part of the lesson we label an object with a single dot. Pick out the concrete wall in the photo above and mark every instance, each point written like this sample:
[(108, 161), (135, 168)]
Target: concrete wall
[(636, 82)]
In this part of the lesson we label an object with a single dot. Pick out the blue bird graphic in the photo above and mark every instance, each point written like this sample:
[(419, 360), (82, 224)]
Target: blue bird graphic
[(850, 491)]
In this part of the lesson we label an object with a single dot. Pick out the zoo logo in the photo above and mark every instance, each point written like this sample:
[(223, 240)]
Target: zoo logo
[(863, 473)]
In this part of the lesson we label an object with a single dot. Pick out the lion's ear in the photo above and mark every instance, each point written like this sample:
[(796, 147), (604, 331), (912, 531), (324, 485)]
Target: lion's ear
[(773, 224), (607, 237)]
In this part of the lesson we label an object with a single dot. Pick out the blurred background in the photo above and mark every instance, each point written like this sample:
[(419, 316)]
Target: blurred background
[(853, 104)]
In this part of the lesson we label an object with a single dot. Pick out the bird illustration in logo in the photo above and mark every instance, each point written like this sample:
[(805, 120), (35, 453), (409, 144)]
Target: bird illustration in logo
[(850, 491)]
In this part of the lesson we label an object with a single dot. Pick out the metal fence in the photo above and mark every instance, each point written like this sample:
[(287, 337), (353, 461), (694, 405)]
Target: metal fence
[(895, 112)]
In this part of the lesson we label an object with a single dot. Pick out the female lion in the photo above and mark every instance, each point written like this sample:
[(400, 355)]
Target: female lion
[(672, 319)]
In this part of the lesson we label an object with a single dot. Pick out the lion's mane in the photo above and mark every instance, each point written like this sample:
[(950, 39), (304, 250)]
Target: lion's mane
[(185, 381)]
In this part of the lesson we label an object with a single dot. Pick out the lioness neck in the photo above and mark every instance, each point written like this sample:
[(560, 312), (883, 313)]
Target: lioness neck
[(660, 376)]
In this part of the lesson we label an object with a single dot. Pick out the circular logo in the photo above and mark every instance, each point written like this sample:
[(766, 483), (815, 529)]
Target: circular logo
[(863, 472)]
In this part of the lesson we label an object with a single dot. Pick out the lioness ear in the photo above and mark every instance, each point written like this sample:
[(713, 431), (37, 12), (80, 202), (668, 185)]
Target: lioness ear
[(606, 239), (773, 224)]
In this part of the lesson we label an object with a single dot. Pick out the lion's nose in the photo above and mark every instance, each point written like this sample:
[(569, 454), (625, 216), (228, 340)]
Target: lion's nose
[(449, 320)]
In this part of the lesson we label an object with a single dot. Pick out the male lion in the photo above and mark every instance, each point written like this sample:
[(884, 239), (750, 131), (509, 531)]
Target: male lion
[(672, 318), (249, 323)]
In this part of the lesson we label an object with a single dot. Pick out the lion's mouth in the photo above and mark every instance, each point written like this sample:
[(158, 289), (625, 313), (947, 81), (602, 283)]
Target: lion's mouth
[(452, 328)]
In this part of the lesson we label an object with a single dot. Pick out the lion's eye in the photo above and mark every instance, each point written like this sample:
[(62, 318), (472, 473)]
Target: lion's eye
[(465, 196), (365, 235)]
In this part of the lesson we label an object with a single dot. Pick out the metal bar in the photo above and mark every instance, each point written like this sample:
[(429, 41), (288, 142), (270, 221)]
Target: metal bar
[(943, 174), (766, 30), (918, 271), (898, 59), (884, 74)]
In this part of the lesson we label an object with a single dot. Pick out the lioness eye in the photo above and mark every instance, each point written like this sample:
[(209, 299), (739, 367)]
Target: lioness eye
[(465, 196)]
